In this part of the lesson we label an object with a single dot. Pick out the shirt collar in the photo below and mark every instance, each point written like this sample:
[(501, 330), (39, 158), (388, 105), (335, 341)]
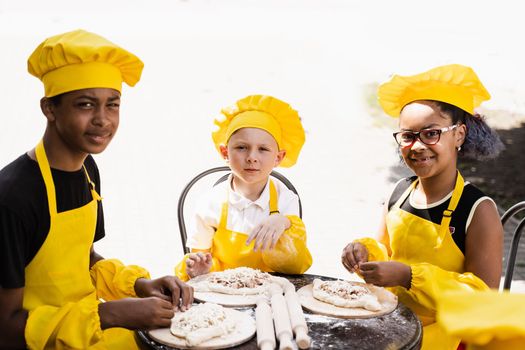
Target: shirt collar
[(239, 202)]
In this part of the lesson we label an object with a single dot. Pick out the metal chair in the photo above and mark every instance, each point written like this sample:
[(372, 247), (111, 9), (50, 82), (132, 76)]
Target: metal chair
[(185, 191), (514, 245)]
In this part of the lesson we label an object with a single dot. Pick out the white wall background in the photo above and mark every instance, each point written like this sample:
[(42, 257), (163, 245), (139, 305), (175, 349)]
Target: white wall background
[(202, 55)]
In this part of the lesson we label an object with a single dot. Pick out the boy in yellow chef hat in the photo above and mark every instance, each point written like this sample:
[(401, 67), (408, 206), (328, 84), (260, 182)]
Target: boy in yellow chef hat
[(251, 220), (52, 279), (439, 233)]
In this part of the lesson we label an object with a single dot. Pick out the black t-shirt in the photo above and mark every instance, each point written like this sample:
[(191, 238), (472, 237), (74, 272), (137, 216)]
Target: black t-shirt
[(24, 211), (458, 224)]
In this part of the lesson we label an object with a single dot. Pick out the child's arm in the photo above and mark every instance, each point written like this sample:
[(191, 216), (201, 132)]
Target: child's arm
[(268, 232), (364, 249), (428, 282), (483, 255), (290, 255), (202, 230), (484, 244), (186, 268), (199, 262)]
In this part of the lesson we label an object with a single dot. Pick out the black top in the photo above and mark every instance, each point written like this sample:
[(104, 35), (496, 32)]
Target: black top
[(24, 211), (458, 224)]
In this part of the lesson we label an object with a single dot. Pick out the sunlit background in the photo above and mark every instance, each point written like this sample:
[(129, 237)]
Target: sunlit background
[(324, 57)]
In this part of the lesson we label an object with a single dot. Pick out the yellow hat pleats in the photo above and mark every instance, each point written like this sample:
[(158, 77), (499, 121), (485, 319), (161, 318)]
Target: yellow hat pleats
[(454, 84), (80, 60), (268, 113)]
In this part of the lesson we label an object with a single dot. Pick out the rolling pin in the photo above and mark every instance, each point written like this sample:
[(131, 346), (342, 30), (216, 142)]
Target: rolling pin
[(281, 319), (264, 322), (299, 326)]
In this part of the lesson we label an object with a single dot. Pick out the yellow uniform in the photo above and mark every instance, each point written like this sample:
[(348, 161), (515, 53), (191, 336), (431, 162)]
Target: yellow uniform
[(61, 293), (436, 262), (229, 249), (486, 320)]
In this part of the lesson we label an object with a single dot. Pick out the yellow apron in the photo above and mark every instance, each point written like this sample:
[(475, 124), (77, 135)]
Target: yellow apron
[(58, 293), (487, 320), (229, 249), (437, 263)]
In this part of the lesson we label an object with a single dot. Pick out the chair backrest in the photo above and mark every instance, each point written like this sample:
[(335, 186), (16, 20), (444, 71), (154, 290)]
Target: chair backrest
[(514, 245), (186, 190)]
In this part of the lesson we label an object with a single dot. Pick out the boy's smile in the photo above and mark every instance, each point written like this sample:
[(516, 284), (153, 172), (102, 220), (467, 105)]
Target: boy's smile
[(85, 120)]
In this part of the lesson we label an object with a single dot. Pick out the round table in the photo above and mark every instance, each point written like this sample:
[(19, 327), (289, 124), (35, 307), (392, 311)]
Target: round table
[(400, 329)]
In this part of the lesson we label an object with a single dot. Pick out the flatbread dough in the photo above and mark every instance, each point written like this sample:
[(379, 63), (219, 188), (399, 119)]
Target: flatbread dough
[(386, 299), (345, 294), (237, 287), (243, 331), (238, 281), (201, 323)]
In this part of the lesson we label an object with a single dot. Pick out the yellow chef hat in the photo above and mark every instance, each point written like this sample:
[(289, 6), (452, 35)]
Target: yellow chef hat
[(454, 84), (80, 60), (268, 113)]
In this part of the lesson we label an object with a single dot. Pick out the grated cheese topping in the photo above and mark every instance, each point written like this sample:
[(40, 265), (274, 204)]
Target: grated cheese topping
[(199, 316), (241, 277), (344, 289)]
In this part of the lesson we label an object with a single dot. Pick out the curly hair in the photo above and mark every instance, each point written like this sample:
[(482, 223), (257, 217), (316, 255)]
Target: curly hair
[(481, 142)]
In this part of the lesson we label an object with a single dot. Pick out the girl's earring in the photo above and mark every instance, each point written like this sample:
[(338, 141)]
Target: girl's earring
[(458, 148)]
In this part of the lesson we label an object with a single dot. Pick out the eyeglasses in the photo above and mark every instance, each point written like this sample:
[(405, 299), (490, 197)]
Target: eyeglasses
[(427, 136)]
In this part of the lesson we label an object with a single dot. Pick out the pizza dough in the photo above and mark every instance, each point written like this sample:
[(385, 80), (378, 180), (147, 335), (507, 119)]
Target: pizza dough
[(201, 322), (238, 281), (347, 299), (345, 294), (235, 327), (241, 286)]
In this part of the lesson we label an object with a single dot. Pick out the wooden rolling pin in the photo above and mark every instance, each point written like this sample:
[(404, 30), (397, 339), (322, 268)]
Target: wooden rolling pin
[(299, 326), (264, 322), (281, 319)]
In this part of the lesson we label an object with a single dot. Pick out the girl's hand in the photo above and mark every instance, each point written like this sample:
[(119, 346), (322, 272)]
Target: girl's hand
[(268, 232), (353, 255), (198, 264), (386, 273)]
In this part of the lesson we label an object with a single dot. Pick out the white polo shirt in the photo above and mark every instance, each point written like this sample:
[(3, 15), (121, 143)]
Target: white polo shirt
[(243, 213)]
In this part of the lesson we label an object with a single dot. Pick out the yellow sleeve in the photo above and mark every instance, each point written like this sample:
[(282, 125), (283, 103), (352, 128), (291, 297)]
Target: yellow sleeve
[(180, 268), (290, 255), (376, 250), (71, 326), (430, 282), (113, 280), (494, 320)]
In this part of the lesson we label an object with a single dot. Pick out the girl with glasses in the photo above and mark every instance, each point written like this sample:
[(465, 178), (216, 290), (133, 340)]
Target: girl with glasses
[(439, 233)]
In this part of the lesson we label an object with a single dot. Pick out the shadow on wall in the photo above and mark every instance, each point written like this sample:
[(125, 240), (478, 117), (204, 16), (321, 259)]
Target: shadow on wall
[(502, 178)]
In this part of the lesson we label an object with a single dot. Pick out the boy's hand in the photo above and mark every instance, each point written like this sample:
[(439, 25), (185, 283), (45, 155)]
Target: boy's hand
[(198, 264), (136, 313), (353, 255), (387, 273), (268, 232), (168, 288)]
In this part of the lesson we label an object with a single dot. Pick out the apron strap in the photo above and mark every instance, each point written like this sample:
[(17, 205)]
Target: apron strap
[(224, 216), (94, 192), (273, 204), (43, 164), (274, 208), (405, 194), (447, 214)]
